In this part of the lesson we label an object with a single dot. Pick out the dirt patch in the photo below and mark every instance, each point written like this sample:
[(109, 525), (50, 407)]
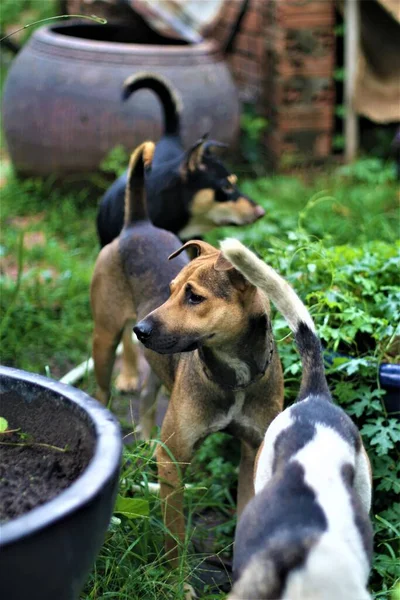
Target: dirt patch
[(31, 475), (27, 221)]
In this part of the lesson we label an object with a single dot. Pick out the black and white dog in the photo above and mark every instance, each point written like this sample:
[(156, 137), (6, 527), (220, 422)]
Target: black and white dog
[(306, 534)]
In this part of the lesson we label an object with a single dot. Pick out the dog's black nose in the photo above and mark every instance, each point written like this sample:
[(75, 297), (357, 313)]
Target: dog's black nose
[(143, 330)]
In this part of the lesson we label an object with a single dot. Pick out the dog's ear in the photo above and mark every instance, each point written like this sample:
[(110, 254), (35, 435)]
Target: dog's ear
[(194, 157), (222, 263), (199, 247), (236, 278)]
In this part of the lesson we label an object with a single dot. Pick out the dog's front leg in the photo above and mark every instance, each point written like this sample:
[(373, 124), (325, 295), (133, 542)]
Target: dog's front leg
[(103, 351), (148, 404), (173, 456), (246, 472), (128, 379)]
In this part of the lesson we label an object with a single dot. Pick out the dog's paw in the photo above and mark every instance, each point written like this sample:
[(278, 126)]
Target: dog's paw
[(127, 384), (189, 592)]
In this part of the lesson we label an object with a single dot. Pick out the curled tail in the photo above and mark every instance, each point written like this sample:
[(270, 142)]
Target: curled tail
[(290, 306), (169, 98), (135, 193)]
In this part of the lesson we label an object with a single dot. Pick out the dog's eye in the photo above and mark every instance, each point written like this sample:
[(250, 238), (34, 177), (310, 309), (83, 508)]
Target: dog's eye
[(193, 298)]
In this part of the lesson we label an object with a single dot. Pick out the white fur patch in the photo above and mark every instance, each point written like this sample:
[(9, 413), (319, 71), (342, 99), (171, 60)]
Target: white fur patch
[(241, 369), (331, 572), (328, 448), (265, 461), (234, 412), (362, 480)]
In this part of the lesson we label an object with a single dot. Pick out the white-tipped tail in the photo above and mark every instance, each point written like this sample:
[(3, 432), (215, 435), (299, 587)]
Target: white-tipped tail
[(265, 278)]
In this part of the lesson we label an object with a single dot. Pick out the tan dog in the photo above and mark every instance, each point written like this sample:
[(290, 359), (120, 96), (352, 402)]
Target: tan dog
[(210, 343)]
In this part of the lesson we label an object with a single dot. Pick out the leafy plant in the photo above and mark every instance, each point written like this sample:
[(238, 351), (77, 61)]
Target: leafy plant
[(334, 239), (252, 129), (19, 13), (115, 162), (349, 282)]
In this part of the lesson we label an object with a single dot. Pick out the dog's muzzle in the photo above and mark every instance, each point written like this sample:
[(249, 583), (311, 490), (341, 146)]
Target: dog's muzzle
[(143, 331), (151, 335)]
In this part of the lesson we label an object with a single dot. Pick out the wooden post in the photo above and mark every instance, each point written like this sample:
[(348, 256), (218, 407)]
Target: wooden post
[(352, 36)]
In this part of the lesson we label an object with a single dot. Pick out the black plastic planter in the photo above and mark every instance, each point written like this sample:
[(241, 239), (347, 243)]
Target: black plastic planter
[(389, 377), (47, 553)]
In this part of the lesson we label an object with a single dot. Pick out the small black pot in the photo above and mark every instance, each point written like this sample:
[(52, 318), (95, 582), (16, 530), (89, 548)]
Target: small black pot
[(389, 377), (47, 553)]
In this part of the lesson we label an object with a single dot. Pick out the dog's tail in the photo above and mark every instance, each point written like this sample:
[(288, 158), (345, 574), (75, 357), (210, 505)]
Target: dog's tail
[(292, 308), (169, 98), (135, 193)]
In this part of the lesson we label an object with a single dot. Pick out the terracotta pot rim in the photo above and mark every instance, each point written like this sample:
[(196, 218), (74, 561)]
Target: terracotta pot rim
[(46, 35)]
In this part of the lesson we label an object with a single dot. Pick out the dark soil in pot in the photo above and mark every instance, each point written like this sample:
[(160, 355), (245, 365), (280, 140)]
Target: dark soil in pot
[(32, 473)]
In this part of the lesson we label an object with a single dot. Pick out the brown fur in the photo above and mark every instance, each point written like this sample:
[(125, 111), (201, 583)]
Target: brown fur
[(207, 213), (130, 281)]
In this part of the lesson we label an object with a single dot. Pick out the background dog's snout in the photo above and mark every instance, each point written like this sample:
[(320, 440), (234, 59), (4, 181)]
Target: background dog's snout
[(259, 211), (143, 330)]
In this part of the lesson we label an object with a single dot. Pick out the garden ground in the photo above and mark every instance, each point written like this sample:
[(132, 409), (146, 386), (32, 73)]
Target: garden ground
[(335, 238)]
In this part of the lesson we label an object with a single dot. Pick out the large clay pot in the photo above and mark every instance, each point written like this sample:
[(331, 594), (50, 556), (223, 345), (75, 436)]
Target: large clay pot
[(47, 552), (62, 104)]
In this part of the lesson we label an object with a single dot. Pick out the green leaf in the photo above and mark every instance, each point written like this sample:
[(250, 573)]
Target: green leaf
[(3, 424), (383, 436), (396, 592), (131, 508), (389, 526)]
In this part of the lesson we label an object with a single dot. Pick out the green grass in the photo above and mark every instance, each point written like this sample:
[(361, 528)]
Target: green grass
[(335, 239)]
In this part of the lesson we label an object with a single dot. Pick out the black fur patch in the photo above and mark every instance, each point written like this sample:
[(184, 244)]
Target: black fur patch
[(280, 524), (313, 376), (320, 410), (254, 348), (306, 415), (361, 519)]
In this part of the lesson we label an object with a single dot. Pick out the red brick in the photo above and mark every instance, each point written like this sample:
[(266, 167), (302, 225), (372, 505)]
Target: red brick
[(243, 43), (286, 70), (305, 14), (253, 22), (323, 146), (304, 117)]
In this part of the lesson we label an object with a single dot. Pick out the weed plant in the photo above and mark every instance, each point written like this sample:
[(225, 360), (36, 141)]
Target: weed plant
[(335, 240)]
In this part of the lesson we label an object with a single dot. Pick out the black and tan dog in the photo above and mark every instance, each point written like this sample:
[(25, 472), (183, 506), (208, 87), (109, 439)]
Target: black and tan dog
[(189, 193), (306, 534), (208, 339)]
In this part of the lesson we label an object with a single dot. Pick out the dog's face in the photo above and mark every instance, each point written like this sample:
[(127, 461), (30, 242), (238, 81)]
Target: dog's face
[(207, 306), (215, 199)]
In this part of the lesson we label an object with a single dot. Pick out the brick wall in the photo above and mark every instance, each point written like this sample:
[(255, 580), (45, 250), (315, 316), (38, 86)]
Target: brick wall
[(248, 58), (283, 61)]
